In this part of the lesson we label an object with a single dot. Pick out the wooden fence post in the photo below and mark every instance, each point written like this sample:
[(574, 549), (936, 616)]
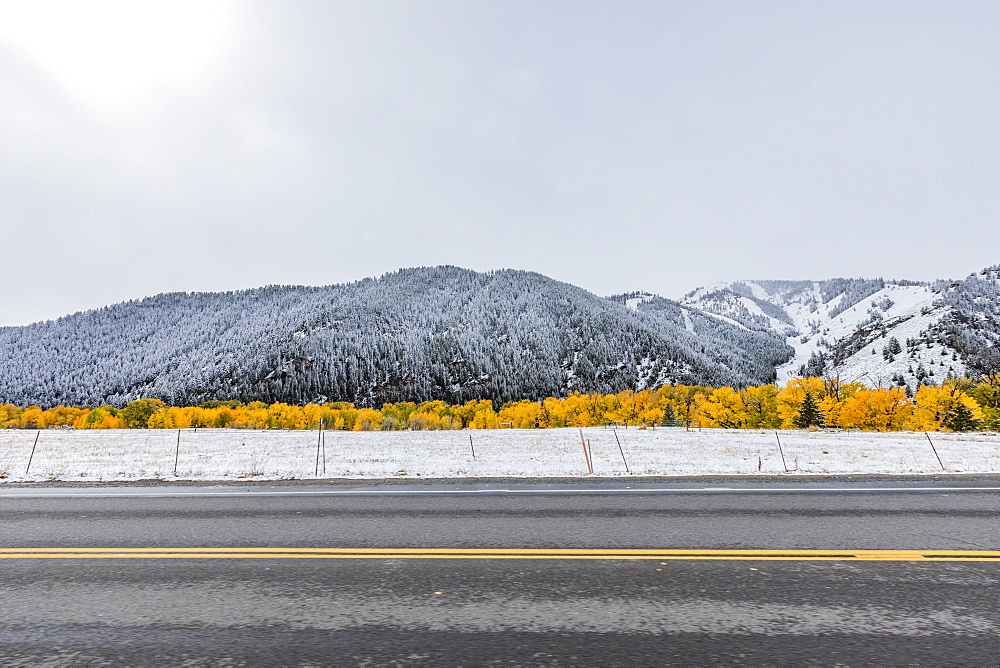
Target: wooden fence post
[(319, 440), (177, 451), (32, 455), (935, 451), (586, 455), (781, 452), (622, 451), (322, 432)]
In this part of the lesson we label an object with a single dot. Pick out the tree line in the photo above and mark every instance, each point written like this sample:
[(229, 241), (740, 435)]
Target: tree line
[(955, 405)]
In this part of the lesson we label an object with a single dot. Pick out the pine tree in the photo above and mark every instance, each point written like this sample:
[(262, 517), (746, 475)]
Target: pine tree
[(960, 418), (894, 347), (809, 413), (669, 416)]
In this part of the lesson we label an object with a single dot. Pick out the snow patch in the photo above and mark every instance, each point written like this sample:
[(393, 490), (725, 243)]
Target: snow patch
[(688, 323), (633, 302), (223, 454), (818, 326)]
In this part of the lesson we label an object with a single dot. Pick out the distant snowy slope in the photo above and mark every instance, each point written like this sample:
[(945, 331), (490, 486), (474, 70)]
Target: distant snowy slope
[(869, 330), (952, 330), (748, 352)]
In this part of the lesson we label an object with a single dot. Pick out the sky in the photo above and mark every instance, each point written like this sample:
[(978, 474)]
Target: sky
[(212, 145)]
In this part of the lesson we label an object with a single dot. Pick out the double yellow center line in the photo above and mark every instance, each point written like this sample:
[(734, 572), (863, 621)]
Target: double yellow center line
[(450, 553)]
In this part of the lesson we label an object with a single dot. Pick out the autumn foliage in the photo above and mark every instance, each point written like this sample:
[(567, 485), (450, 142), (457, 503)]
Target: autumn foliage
[(958, 405)]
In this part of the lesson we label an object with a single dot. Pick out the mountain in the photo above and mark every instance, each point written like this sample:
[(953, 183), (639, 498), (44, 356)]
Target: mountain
[(412, 335), (453, 334), (873, 331)]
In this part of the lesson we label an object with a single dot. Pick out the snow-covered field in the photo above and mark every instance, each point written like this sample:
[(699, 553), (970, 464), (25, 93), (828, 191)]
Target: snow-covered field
[(220, 454)]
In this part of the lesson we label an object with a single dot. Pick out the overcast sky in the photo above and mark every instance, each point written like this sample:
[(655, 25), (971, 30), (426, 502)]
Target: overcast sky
[(148, 148)]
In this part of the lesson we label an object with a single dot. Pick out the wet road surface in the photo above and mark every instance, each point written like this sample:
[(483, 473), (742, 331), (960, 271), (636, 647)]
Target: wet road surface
[(393, 609)]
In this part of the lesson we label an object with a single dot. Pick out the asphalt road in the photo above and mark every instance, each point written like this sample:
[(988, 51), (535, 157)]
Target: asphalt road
[(174, 601)]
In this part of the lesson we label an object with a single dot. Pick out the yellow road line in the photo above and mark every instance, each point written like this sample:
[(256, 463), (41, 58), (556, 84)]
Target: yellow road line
[(480, 557), (484, 553), (499, 551)]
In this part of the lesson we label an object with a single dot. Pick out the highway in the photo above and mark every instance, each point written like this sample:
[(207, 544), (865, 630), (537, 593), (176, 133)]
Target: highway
[(604, 573)]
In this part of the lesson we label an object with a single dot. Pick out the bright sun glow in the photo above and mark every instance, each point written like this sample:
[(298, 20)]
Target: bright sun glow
[(115, 55)]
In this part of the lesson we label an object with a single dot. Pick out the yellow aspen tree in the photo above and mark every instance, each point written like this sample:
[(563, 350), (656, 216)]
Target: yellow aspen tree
[(465, 413), (162, 419), (202, 417), (986, 393), (111, 422), (102, 418), (7, 413), (57, 416), (836, 394), (761, 406), (645, 407), (627, 410), (876, 410), (180, 417), (523, 415), (311, 414), (722, 408), (932, 406), (422, 421), (368, 419), (557, 415), (579, 410), (651, 416), (485, 418), (576, 408), (350, 416), (32, 418), (68, 415), (81, 420), (258, 416), (687, 399)]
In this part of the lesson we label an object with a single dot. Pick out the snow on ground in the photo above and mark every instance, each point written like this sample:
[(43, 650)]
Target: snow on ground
[(634, 302), (912, 308), (872, 369), (223, 454), (727, 320), (905, 310), (905, 304), (688, 323)]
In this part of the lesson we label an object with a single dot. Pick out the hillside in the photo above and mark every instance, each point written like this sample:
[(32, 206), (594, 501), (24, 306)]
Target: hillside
[(870, 330), (456, 335), (412, 335)]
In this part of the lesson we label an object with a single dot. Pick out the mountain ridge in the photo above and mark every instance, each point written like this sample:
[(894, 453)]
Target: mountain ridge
[(411, 335), (455, 334)]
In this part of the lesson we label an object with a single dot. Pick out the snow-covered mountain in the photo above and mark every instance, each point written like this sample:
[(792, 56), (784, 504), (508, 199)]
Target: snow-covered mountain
[(454, 334), (874, 331), (412, 335)]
